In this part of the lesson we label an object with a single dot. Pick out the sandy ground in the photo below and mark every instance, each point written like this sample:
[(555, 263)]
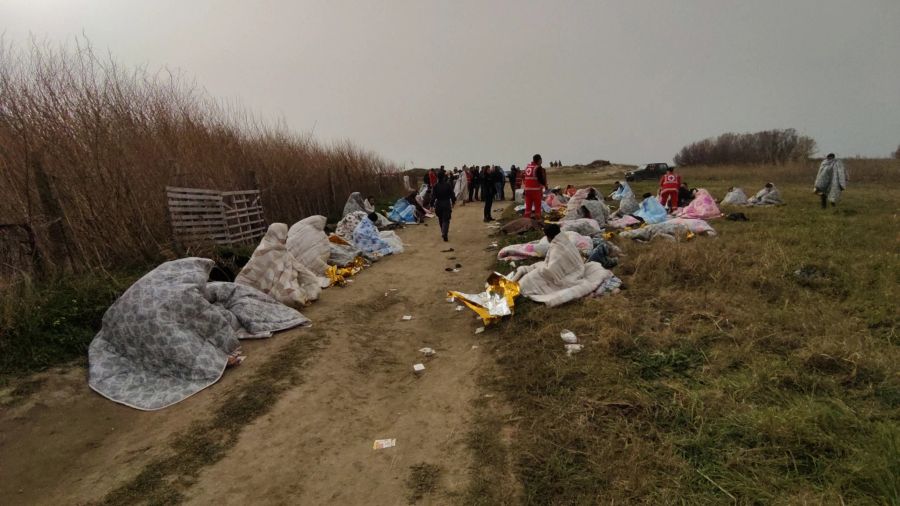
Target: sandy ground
[(66, 444)]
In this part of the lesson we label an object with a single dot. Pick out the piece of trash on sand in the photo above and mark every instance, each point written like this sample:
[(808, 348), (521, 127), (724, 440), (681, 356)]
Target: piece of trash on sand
[(454, 270), (446, 250), (460, 308), (572, 349), (419, 368), (451, 299), (428, 352), (406, 318), (568, 336), (479, 330), (513, 264), (474, 347), (381, 444)]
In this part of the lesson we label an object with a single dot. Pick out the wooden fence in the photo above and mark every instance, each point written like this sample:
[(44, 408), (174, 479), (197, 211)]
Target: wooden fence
[(202, 216)]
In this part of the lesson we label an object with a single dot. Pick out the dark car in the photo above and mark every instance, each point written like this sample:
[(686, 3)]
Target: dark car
[(648, 171)]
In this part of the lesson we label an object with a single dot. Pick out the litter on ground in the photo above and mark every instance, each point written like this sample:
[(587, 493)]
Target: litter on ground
[(406, 318), (568, 337), (428, 352), (419, 368), (479, 330), (381, 444), (572, 349)]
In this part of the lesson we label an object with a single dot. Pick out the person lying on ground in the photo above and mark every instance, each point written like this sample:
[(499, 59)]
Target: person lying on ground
[(768, 196)]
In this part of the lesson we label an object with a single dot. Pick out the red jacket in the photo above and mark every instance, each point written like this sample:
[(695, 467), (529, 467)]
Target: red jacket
[(669, 181), (533, 177)]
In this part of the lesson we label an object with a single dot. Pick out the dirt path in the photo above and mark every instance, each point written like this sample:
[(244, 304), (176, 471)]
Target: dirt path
[(67, 444)]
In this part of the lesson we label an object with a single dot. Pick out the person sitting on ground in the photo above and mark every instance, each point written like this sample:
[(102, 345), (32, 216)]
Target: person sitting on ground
[(651, 211), (734, 197), (831, 180), (768, 196), (685, 195), (570, 190), (562, 276), (354, 204), (412, 198)]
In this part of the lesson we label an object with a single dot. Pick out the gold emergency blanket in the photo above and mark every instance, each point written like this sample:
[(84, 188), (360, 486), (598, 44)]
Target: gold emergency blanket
[(339, 275), (496, 301)]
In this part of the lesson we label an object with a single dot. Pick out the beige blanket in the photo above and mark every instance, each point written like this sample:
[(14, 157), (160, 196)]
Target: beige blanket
[(562, 276), (308, 243), (274, 270)]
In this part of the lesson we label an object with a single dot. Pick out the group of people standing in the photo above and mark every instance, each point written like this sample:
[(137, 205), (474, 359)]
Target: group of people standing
[(483, 183)]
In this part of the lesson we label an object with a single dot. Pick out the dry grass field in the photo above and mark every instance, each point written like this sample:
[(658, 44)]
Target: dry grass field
[(758, 366)]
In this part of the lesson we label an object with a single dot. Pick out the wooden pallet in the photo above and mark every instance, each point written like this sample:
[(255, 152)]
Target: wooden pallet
[(210, 216)]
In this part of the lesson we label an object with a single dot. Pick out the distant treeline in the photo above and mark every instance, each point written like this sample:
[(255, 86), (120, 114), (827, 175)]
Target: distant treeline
[(87, 148), (897, 153), (769, 146)]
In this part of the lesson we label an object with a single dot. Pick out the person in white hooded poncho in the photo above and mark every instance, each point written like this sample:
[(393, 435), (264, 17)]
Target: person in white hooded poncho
[(831, 180), (274, 270)]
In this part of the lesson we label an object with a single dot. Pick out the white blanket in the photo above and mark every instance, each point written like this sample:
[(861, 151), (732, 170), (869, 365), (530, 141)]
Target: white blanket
[(562, 276), (273, 270), (308, 243), (170, 334)]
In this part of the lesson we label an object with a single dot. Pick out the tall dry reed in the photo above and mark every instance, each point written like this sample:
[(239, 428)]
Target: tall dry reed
[(87, 147)]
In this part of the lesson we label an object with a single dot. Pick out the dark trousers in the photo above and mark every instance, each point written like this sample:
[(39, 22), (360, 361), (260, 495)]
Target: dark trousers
[(499, 187), (824, 201), (471, 191), (512, 188), (443, 210), (488, 197)]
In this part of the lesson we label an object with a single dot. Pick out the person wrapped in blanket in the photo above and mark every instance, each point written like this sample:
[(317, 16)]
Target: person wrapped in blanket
[(768, 196)]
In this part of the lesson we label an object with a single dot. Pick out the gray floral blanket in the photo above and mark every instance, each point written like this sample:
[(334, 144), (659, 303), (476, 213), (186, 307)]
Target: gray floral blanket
[(169, 335)]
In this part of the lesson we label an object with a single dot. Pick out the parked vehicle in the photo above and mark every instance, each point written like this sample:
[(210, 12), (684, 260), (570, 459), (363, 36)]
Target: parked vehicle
[(648, 171)]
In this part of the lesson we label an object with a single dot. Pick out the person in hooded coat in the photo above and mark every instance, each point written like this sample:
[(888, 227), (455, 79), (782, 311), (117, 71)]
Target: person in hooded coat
[(831, 180)]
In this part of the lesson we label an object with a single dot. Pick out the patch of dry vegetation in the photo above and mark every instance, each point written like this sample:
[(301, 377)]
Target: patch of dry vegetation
[(758, 366), (87, 147)]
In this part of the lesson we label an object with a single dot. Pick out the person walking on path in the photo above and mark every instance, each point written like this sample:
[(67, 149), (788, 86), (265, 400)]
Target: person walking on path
[(534, 181), (668, 189), (487, 192), (831, 180), (442, 200)]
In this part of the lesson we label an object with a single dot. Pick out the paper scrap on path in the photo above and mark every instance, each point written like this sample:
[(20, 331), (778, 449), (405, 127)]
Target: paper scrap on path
[(381, 444), (568, 337), (418, 368), (427, 351), (406, 317), (479, 330)]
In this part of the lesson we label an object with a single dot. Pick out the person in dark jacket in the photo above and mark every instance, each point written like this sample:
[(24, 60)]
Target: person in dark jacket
[(476, 182), (513, 174), (442, 200), (499, 182), (487, 192)]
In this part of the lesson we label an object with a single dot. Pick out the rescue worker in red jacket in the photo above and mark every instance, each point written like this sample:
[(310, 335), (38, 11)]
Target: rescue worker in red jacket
[(534, 180), (668, 188)]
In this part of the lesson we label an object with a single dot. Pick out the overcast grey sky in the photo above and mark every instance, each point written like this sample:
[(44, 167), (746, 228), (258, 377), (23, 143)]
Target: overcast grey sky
[(495, 81)]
